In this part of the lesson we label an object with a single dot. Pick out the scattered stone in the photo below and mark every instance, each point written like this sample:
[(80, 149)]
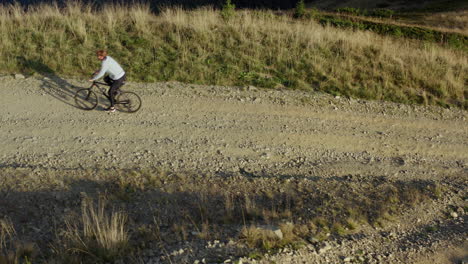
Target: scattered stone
[(278, 233), (325, 248), (400, 161), (313, 240), (347, 259), (453, 214), (19, 76)]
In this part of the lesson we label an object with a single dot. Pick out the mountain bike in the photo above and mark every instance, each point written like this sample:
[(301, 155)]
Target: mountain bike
[(87, 99)]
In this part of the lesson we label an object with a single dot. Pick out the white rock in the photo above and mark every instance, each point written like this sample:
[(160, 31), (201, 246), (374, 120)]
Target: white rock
[(19, 76), (325, 248), (454, 215), (348, 259), (278, 233)]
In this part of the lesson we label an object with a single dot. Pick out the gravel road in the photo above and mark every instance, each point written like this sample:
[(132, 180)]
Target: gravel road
[(225, 130)]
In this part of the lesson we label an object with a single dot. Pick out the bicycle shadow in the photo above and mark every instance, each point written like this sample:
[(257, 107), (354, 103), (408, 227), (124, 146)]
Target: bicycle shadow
[(52, 84)]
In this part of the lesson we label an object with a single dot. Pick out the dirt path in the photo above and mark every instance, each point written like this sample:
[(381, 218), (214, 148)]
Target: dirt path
[(225, 130)]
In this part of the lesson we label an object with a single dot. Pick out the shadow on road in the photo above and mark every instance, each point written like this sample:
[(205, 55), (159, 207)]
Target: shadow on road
[(52, 84), (185, 208)]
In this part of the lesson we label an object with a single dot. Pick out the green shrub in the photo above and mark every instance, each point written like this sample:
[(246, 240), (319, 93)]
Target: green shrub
[(388, 13), (350, 10), (300, 11), (228, 10)]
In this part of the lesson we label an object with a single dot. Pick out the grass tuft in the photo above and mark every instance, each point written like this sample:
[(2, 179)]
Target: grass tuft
[(100, 235)]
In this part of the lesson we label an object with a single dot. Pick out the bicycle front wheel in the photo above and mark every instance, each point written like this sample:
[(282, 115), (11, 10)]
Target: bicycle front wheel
[(128, 102), (86, 99)]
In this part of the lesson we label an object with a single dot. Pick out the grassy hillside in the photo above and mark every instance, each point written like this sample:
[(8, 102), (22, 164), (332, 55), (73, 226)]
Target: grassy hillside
[(274, 4), (206, 46), (402, 5), (445, 15)]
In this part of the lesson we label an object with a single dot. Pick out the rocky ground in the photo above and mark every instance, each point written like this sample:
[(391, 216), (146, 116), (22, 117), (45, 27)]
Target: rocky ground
[(252, 133)]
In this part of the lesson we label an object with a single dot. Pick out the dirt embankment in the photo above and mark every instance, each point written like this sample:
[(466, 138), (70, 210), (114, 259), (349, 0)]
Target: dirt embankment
[(242, 131)]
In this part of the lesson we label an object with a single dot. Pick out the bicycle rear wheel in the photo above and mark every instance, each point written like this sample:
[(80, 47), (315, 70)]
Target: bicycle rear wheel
[(86, 99), (128, 102)]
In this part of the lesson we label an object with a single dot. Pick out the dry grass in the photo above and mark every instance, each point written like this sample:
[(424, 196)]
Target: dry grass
[(13, 251), (7, 232), (101, 235), (251, 48)]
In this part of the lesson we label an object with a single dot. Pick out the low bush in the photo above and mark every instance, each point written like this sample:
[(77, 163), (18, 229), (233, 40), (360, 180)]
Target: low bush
[(350, 11), (382, 13)]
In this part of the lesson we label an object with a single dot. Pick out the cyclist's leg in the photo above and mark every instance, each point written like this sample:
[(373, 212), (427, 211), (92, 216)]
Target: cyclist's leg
[(108, 80), (113, 90)]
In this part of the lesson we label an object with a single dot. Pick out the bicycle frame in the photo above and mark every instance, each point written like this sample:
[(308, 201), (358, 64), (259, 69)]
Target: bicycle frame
[(102, 89)]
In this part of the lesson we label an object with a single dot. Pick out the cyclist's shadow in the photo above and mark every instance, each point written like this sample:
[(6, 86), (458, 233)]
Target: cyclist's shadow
[(52, 84)]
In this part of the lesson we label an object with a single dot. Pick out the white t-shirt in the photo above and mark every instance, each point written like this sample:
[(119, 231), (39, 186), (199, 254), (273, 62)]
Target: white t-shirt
[(110, 66)]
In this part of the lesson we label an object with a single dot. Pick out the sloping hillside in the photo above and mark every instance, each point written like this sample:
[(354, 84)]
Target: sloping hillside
[(421, 5), (433, 5)]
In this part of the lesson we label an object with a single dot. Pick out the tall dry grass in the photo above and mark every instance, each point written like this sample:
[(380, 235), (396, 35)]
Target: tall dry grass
[(252, 48), (12, 250), (100, 234), (7, 232)]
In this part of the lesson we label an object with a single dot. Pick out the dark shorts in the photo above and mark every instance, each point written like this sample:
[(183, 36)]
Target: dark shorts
[(114, 87)]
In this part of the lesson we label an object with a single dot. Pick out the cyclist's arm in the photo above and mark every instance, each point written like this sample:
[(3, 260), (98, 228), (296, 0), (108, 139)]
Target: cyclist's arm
[(100, 73)]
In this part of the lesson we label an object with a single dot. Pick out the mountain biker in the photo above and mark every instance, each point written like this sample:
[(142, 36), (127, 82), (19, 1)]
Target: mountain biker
[(116, 76)]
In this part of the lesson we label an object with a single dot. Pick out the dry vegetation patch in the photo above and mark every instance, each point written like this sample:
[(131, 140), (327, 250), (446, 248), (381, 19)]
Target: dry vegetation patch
[(159, 210)]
